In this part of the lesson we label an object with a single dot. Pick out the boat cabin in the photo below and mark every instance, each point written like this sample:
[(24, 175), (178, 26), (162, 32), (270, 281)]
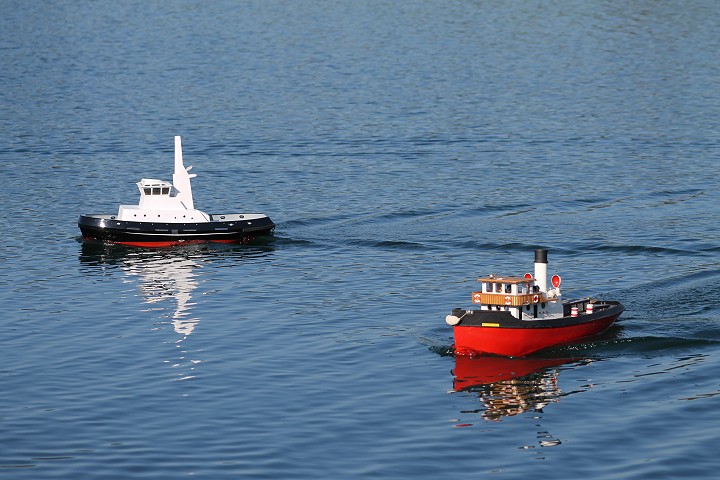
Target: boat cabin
[(154, 187), (519, 296), (160, 201), (159, 194)]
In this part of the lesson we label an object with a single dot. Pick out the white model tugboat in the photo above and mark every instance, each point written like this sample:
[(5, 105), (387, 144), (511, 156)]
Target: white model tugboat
[(521, 315), (166, 216)]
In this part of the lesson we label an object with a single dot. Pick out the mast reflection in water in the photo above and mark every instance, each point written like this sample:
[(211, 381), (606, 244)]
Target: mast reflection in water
[(163, 274), (168, 282), (163, 278), (166, 273)]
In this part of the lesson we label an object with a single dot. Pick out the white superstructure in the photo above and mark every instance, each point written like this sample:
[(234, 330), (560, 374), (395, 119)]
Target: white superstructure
[(161, 201)]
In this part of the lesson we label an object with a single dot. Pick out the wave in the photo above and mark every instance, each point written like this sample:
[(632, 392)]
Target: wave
[(390, 244), (630, 249), (316, 221), (640, 345)]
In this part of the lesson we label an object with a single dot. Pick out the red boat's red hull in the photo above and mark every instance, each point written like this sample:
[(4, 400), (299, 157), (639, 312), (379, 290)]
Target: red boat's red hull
[(518, 342)]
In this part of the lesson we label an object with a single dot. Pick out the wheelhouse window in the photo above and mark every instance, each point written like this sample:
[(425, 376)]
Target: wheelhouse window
[(156, 189)]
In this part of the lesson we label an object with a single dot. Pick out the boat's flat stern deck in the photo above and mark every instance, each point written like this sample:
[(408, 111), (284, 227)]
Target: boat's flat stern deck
[(235, 217)]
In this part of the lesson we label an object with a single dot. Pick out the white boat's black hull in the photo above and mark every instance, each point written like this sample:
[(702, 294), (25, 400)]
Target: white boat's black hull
[(221, 228)]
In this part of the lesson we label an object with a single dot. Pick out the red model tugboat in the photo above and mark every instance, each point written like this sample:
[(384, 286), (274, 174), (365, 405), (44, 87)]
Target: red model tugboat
[(521, 315), (166, 216)]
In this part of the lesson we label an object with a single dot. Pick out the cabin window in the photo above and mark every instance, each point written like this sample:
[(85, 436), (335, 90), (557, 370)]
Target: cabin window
[(498, 288), (156, 191), (147, 191), (165, 190)]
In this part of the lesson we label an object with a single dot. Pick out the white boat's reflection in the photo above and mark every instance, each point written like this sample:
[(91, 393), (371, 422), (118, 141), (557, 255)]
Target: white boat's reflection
[(168, 278), (165, 274)]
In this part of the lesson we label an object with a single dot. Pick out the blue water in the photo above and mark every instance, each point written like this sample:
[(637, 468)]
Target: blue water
[(403, 148)]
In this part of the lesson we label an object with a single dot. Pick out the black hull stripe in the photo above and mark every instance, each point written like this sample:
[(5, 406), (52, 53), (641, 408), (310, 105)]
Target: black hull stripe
[(505, 320), (101, 228)]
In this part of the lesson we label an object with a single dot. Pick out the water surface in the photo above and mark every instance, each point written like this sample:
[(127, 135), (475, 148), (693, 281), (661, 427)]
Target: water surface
[(403, 149)]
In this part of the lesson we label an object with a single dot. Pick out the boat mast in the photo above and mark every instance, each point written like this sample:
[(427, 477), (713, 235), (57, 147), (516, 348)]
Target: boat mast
[(181, 178)]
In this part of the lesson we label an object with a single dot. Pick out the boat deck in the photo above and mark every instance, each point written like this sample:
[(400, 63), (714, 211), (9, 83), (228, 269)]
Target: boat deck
[(214, 217)]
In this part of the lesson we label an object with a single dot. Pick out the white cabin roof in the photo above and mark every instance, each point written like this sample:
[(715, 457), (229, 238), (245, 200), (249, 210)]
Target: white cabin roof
[(152, 182), (506, 280)]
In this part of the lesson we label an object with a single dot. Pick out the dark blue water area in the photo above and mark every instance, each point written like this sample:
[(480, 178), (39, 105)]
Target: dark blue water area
[(403, 148)]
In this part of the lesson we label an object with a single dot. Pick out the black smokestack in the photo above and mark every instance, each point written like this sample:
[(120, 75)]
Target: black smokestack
[(541, 255)]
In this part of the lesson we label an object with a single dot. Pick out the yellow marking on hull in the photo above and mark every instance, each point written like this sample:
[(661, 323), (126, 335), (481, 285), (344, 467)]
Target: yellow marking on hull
[(490, 324)]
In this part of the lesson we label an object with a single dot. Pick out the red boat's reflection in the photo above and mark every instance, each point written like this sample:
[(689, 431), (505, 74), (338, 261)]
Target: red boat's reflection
[(509, 386)]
